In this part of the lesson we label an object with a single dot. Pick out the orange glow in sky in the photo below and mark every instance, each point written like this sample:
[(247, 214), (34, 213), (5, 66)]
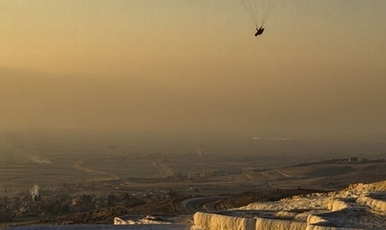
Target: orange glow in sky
[(192, 65)]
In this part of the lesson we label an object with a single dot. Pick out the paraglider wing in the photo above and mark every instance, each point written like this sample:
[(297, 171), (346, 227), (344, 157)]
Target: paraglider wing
[(259, 10)]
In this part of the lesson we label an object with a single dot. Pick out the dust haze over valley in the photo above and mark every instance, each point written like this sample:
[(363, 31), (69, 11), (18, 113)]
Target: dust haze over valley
[(268, 106), (55, 158), (178, 126)]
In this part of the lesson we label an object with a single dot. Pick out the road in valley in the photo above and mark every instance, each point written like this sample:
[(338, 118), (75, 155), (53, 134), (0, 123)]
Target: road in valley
[(198, 204)]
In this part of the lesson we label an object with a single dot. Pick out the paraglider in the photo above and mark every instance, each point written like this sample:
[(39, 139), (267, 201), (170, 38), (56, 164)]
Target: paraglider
[(259, 31), (259, 12)]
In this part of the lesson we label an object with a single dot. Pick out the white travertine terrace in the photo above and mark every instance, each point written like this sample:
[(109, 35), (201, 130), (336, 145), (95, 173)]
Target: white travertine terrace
[(360, 206)]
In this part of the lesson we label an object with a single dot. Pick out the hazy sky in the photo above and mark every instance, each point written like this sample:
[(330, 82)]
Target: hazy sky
[(184, 65)]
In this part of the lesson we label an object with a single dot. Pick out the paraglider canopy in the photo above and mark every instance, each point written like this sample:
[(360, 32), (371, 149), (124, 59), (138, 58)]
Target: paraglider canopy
[(259, 12)]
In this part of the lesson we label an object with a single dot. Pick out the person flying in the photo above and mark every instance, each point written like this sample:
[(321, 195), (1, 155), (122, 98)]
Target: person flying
[(259, 31)]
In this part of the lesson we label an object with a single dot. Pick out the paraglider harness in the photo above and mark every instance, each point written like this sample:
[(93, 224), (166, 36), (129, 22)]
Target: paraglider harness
[(259, 31)]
